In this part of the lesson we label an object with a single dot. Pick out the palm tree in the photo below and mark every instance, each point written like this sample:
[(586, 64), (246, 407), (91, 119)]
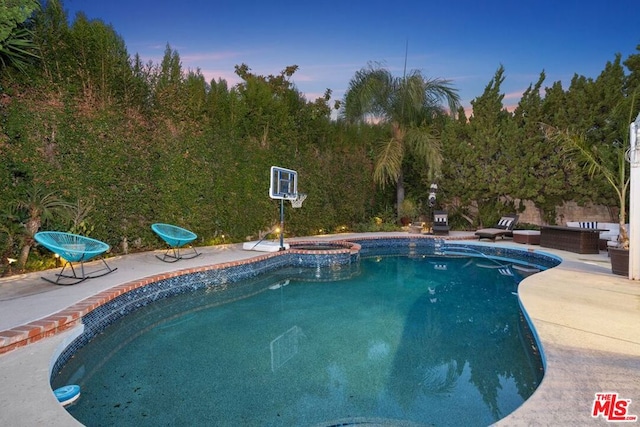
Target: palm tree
[(39, 207), (605, 161), (408, 105)]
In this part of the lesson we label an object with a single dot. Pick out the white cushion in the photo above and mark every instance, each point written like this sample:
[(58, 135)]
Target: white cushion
[(527, 232), (505, 222), (613, 230), (440, 219)]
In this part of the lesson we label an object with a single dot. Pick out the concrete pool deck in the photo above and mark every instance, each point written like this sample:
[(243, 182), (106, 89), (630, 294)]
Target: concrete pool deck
[(587, 321)]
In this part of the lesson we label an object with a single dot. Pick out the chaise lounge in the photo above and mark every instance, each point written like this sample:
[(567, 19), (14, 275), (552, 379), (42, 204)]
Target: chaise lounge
[(503, 228), (440, 223), (74, 248)]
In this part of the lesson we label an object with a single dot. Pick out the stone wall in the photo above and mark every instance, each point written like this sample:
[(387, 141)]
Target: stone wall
[(569, 211)]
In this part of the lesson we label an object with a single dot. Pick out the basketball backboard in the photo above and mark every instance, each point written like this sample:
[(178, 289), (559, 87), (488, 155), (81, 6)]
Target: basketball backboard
[(284, 183)]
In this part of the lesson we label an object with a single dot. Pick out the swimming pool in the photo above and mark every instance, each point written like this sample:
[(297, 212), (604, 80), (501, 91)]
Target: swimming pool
[(407, 349)]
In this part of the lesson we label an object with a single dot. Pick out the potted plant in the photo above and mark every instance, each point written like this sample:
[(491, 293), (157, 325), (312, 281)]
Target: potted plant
[(612, 166)]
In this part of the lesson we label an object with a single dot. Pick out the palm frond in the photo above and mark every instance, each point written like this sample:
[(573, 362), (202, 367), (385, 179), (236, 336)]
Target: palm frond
[(592, 158), (388, 168), (441, 90), (39, 202), (417, 98), (368, 94), (426, 146), (375, 92)]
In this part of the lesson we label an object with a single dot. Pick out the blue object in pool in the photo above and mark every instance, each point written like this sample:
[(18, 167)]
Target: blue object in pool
[(67, 394)]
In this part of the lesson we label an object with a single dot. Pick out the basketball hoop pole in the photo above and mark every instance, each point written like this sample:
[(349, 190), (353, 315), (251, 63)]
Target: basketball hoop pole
[(282, 224)]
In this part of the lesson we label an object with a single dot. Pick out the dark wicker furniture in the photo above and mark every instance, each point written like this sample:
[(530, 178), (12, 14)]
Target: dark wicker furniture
[(572, 239)]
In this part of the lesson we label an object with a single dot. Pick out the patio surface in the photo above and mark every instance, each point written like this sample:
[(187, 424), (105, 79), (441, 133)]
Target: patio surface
[(587, 321)]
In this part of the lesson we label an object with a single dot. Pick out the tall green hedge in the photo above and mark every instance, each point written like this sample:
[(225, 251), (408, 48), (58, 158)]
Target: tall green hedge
[(143, 143)]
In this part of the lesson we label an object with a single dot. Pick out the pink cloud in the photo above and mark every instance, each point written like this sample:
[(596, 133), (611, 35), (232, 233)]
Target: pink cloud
[(514, 95)]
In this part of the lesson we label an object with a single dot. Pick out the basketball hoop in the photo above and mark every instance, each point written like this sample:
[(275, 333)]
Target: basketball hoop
[(297, 202)]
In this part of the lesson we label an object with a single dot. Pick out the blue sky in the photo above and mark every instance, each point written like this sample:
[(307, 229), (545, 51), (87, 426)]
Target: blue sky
[(464, 41)]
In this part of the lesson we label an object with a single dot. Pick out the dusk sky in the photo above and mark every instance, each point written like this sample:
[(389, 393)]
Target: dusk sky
[(464, 41)]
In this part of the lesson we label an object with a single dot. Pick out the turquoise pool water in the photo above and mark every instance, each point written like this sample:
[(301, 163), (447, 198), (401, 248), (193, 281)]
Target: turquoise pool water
[(418, 339)]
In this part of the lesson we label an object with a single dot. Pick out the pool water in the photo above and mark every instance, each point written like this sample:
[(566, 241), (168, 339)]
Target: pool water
[(425, 340)]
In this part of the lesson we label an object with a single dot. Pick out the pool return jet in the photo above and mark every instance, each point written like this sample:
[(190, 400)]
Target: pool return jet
[(283, 186)]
